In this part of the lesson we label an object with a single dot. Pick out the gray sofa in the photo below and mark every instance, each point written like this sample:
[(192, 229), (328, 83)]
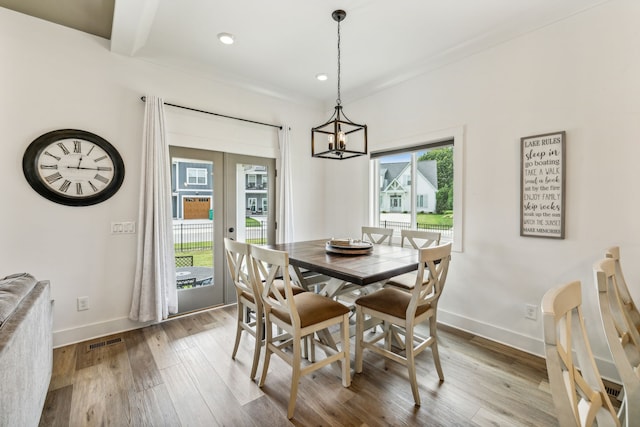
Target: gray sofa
[(26, 349)]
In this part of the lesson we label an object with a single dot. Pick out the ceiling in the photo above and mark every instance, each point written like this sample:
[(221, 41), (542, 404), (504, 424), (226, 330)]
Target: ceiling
[(281, 45)]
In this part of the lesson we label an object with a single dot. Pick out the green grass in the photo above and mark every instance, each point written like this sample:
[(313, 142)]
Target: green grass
[(435, 219)]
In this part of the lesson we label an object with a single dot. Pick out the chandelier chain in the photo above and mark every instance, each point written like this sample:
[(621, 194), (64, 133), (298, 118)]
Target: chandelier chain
[(338, 101)]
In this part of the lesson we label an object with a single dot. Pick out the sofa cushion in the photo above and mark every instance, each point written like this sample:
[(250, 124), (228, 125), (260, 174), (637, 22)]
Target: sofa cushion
[(13, 289)]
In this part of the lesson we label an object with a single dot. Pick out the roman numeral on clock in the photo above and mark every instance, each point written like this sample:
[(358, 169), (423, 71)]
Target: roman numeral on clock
[(77, 147), (53, 178), (78, 188), (51, 155), (65, 185), (48, 166), (101, 178), (93, 187), (63, 148)]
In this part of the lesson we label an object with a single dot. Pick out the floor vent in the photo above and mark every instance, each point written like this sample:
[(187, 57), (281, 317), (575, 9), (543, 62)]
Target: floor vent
[(612, 392), (101, 344)]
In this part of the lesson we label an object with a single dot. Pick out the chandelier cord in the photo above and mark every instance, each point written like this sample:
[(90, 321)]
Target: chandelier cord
[(338, 101)]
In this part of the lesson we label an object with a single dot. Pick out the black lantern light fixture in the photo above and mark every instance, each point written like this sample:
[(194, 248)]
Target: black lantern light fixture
[(339, 138)]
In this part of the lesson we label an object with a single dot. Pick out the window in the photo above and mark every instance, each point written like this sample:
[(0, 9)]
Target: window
[(252, 203), (251, 181), (427, 198), (196, 176), (264, 205)]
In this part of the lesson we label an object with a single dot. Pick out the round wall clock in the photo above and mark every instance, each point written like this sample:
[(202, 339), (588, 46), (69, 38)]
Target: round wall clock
[(73, 167)]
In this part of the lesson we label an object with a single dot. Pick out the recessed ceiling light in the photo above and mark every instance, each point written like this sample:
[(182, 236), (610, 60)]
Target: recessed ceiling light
[(322, 77), (226, 38)]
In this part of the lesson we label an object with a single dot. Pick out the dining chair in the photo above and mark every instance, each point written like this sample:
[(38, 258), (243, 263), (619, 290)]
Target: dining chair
[(300, 315), (622, 337), (377, 235), (579, 395), (402, 311), (249, 309), (250, 313), (417, 239), (347, 291), (631, 308)]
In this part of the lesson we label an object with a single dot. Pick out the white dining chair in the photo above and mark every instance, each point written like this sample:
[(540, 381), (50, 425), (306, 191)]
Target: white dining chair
[(300, 315), (417, 239), (631, 307), (401, 311), (249, 306), (377, 235), (622, 337), (579, 395)]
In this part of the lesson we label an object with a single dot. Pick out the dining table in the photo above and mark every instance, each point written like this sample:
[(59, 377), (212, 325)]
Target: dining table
[(382, 262), (341, 271)]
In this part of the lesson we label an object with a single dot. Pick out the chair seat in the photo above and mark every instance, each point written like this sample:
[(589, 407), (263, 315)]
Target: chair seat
[(390, 301), (405, 281), (312, 308)]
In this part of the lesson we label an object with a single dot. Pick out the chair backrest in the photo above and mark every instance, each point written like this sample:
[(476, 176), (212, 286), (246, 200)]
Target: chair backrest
[(377, 235), (434, 264), (419, 238), (237, 254), (578, 393), (184, 261), (621, 333), (614, 253), (272, 267)]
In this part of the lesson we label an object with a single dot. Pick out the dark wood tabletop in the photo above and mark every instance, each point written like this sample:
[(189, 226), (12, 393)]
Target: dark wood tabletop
[(382, 263)]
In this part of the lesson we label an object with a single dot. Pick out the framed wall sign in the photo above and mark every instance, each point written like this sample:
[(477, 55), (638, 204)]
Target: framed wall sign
[(542, 176)]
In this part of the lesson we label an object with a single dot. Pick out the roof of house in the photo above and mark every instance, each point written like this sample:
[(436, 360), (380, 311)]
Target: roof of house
[(391, 171)]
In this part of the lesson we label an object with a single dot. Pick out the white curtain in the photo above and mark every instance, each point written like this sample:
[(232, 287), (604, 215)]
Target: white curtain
[(155, 295), (285, 214)]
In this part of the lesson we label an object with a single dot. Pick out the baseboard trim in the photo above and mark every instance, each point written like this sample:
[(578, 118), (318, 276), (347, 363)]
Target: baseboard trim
[(95, 330), (528, 344)]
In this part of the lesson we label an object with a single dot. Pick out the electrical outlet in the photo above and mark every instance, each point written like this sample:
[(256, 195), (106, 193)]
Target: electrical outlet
[(531, 311), (83, 303)]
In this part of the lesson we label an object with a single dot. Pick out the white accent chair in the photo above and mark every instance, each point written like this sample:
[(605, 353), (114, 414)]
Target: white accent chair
[(622, 337), (579, 395)]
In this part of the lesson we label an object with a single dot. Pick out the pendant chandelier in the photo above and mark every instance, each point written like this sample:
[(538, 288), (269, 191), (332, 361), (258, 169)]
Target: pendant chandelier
[(339, 138)]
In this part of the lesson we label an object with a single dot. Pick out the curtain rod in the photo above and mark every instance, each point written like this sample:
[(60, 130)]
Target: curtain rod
[(144, 99)]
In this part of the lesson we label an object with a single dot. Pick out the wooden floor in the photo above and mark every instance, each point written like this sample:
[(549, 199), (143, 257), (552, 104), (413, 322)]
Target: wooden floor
[(180, 373)]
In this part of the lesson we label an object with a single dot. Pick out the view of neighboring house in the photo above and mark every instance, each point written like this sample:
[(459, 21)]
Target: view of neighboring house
[(192, 189), (256, 189), (395, 186)]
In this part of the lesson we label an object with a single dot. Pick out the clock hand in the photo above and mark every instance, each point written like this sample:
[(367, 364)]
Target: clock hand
[(78, 167)]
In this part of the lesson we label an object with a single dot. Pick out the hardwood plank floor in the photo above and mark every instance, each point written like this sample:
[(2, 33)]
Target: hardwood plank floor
[(180, 373)]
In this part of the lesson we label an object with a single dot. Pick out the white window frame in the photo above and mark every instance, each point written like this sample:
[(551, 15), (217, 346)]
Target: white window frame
[(457, 135), (197, 173)]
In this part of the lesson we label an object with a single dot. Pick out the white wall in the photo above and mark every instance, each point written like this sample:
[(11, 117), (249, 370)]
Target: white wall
[(53, 77), (580, 75)]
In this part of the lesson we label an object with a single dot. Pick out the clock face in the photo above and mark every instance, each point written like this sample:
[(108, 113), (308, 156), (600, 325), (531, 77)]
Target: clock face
[(73, 167)]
